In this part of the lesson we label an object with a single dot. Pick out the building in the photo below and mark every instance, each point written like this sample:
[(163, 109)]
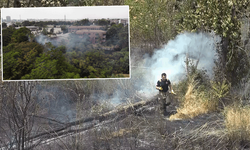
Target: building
[(94, 35), (8, 19), (32, 28), (118, 21), (76, 28), (124, 21)]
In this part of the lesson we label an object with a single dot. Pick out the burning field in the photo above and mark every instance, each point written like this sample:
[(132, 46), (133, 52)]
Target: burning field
[(122, 114), (203, 48)]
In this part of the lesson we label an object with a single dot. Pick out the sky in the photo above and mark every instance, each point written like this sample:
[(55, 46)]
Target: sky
[(91, 12)]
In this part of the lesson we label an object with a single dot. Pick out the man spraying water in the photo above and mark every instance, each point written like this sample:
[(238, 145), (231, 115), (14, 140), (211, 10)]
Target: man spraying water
[(164, 86)]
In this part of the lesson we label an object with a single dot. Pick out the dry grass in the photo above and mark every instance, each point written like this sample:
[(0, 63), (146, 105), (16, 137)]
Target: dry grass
[(194, 104), (121, 75), (126, 75), (237, 121), (120, 133)]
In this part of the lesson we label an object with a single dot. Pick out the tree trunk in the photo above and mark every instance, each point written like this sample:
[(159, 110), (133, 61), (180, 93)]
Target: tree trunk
[(17, 3), (29, 3), (8, 3)]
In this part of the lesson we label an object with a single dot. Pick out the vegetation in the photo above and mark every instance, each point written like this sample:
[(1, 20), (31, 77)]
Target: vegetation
[(213, 113), (64, 29), (195, 102), (75, 58), (153, 24), (102, 22), (206, 16), (83, 22), (237, 122), (44, 23)]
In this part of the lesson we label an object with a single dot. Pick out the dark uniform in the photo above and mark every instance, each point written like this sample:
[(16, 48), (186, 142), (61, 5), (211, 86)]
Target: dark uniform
[(163, 97)]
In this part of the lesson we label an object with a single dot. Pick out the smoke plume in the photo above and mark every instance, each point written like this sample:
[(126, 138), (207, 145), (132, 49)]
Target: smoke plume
[(171, 58), (57, 101), (69, 40)]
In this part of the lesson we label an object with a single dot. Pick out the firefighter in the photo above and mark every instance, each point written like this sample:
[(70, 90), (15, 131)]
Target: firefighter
[(164, 86)]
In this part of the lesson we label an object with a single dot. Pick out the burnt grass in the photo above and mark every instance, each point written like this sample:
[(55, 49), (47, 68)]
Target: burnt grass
[(141, 127)]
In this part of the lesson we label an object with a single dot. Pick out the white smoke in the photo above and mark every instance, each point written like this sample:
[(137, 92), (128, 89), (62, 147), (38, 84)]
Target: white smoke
[(69, 40), (171, 59), (41, 39)]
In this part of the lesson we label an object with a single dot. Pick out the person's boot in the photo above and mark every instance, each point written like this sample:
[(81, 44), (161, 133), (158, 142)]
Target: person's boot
[(168, 111), (168, 103)]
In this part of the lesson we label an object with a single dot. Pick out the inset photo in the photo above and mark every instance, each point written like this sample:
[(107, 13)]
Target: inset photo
[(58, 43)]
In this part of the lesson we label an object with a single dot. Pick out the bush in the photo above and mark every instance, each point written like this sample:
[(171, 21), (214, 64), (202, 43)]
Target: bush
[(196, 95), (195, 102)]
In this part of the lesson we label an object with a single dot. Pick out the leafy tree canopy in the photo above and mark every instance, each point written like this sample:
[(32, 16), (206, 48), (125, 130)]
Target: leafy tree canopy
[(224, 18), (82, 22), (21, 35), (19, 59), (7, 34)]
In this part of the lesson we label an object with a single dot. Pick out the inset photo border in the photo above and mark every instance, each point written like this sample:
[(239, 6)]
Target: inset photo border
[(65, 43)]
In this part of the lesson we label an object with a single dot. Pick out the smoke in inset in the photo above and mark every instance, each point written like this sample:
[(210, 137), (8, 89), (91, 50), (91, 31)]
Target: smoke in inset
[(69, 40), (42, 39)]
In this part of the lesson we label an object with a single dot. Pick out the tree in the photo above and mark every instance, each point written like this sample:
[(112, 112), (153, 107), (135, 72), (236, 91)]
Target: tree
[(52, 65), (26, 23), (117, 35), (17, 3), (64, 29), (21, 35), (112, 24), (62, 49), (19, 107), (123, 37), (112, 35), (224, 18), (7, 34), (19, 59), (3, 2), (52, 30), (152, 23), (44, 32), (44, 69), (94, 64), (82, 22), (102, 22), (4, 25)]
